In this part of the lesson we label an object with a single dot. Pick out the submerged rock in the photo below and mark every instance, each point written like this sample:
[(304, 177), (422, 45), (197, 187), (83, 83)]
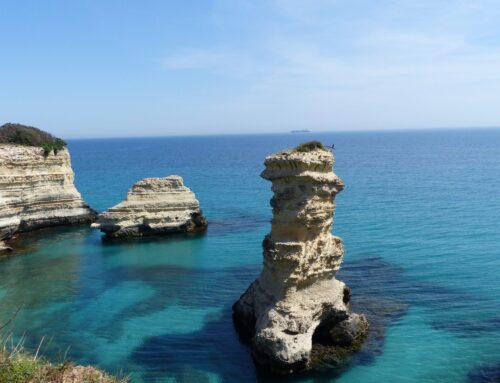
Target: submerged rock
[(37, 191), (154, 206), (296, 298)]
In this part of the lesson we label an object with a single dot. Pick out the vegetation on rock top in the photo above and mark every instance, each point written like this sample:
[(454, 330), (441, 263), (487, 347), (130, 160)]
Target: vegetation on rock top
[(308, 146), (29, 136)]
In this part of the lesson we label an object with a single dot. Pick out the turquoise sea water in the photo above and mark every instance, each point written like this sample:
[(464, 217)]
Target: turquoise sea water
[(420, 217)]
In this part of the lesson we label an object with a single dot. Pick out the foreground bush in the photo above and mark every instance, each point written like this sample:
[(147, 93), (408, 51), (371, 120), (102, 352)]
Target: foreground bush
[(19, 366)]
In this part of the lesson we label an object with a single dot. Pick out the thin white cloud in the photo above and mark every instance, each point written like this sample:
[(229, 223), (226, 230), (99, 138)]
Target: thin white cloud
[(219, 62), (428, 60)]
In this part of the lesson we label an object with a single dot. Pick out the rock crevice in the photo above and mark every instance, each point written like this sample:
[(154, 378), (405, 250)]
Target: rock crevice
[(296, 292)]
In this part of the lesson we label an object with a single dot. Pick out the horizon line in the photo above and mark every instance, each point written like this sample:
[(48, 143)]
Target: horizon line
[(291, 132)]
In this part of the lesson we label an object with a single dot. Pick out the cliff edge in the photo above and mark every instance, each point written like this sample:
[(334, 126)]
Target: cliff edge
[(36, 186), (296, 299)]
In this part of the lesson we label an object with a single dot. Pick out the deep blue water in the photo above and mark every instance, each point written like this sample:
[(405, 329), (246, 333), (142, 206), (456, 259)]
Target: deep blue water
[(420, 217)]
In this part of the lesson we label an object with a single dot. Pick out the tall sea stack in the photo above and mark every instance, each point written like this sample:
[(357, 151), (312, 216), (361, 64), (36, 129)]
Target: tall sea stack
[(296, 297)]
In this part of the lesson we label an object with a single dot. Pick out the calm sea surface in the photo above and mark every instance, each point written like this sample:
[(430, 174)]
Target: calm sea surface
[(420, 217)]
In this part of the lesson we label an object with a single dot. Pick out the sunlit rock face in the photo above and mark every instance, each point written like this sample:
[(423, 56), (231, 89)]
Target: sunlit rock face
[(154, 206), (296, 297), (37, 190)]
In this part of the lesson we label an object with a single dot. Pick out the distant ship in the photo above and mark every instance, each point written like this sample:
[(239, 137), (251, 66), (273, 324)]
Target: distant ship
[(301, 131)]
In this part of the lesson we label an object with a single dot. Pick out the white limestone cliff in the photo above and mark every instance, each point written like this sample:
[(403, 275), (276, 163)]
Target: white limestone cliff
[(154, 206), (37, 191), (296, 297)]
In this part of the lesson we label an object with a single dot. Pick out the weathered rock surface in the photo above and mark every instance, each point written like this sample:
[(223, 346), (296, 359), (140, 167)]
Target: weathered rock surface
[(84, 374), (37, 190), (154, 206), (296, 297)]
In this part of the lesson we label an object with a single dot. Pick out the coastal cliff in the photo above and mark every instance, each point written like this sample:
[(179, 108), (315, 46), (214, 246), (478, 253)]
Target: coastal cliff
[(154, 206), (37, 190), (296, 298)]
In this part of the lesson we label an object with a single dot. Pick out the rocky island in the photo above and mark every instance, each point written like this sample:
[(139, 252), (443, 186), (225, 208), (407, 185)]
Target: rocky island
[(296, 301), (36, 183), (154, 206)]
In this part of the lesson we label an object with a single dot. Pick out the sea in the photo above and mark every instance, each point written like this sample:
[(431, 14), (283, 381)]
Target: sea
[(420, 220)]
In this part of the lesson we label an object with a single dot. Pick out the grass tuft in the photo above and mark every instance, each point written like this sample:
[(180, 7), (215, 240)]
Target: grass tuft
[(309, 146), (19, 366)]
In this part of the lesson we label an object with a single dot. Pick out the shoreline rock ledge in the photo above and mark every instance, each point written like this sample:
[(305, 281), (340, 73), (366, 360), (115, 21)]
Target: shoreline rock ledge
[(154, 206), (296, 302)]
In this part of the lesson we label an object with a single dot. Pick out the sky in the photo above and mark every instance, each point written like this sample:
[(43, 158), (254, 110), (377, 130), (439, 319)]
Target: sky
[(110, 68)]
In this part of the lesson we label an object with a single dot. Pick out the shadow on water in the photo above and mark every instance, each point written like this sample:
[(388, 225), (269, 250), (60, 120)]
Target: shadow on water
[(217, 343), (469, 328), (374, 278), (489, 373), (154, 239), (214, 345), (213, 350)]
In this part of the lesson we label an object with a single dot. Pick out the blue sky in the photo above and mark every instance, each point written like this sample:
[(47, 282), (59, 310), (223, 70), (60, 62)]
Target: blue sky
[(103, 68)]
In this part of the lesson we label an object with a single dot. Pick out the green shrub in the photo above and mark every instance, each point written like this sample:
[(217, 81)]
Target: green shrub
[(20, 370), (309, 146), (30, 136), (19, 366)]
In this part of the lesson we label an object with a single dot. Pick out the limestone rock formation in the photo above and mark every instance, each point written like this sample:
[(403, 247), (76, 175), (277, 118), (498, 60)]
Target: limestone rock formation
[(37, 190), (296, 297), (154, 206)]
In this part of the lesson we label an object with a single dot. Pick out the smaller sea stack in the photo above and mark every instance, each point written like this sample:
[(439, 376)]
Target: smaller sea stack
[(296, 302), (154, 206)]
